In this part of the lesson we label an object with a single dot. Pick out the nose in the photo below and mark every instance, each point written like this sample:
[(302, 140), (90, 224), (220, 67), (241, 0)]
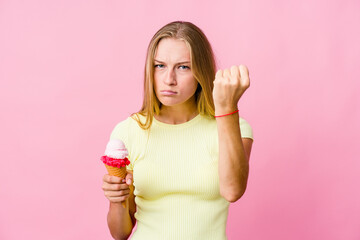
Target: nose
[(170, 78)]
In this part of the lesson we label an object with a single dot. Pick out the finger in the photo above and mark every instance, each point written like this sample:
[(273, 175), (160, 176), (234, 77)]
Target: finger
[(244, 78), (235, 73), (129, 178), (117, 193), (111, 179), (115, 187), (106, 178), (107, 186), (227, 74), (219, 74)]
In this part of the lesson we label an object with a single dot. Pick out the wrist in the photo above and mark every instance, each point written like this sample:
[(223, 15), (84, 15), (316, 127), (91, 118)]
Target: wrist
[(225, 110), (117, 205)]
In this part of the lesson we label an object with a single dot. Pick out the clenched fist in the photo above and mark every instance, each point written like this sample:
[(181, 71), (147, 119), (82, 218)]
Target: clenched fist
[(229, 86)]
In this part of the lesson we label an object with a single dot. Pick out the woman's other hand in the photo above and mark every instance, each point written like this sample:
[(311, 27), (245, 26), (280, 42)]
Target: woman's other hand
[(229, 86)]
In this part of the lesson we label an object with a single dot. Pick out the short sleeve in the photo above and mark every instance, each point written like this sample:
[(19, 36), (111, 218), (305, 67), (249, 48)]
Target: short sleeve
[(121, 132), (245, 129)]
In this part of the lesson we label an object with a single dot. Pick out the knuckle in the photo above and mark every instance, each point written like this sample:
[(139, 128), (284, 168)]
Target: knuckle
[(245, 84), (105, 178), (110, 179), (124, 192), (116, 179), (105, 186)]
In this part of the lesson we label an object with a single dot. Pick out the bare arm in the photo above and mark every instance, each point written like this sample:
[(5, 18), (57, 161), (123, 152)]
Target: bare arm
[(234, 154), (120, 220), (234, 151)]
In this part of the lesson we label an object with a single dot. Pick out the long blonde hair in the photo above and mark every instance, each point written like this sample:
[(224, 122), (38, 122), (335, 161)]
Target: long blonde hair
[(202, 64)]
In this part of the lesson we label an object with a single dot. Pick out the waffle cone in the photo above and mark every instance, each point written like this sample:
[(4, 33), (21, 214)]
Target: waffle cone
[(118, 172)]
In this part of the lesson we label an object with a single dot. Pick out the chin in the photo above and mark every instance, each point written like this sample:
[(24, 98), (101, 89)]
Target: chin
[(170, 102)]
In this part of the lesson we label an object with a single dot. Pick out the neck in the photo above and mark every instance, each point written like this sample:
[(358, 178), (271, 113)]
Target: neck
[(177, 114)]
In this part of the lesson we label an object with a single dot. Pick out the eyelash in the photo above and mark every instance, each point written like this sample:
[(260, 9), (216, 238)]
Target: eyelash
[(157, 65), (186, 67)]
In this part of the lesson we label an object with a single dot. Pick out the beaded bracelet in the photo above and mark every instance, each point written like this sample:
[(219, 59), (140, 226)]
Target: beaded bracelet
[(227, 114)]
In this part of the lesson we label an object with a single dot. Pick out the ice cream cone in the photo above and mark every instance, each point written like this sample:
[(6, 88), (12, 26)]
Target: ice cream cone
[(115, 160), (118, 172)]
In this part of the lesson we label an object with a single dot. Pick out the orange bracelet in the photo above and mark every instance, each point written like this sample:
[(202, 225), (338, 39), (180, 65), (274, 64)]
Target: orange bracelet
[(227, 114)]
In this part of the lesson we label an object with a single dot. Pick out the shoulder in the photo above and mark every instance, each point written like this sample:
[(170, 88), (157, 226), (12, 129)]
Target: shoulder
[(129, 125), (244, 122), (120, 128)]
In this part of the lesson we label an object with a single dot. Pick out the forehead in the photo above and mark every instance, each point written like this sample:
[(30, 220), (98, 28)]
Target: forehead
[(172, 50)]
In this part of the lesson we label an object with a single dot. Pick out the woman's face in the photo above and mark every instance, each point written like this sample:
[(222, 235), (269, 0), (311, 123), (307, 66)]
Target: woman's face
[(174, 83)]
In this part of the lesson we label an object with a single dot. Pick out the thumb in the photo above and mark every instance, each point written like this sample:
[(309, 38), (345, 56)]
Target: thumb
[(129, 178)]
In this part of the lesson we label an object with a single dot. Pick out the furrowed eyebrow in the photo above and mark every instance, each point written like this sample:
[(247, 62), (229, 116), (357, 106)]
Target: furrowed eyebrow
[(176, 63)]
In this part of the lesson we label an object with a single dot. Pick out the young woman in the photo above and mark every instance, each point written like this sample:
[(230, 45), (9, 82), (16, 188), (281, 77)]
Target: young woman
[(188, 147)]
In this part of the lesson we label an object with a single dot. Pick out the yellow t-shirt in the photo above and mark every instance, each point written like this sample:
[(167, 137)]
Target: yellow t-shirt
[(176, 178)]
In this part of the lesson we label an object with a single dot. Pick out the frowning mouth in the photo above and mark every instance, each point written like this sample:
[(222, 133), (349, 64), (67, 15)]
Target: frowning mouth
[(168, 92)]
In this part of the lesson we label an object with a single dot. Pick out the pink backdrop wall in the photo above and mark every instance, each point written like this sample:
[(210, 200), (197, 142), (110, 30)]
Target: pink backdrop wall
[(67, 66)]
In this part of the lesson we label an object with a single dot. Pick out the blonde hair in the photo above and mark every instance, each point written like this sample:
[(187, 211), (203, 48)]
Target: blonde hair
[(202, 64)]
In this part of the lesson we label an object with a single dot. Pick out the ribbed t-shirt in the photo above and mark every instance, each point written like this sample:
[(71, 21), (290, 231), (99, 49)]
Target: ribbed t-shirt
[(176, 180)]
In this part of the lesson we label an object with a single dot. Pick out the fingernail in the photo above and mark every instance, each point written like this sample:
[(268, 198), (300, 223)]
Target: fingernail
[(123, 180), (129, 181)]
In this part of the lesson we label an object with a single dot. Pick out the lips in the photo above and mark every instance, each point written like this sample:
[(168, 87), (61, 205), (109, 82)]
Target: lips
[(168, 92)]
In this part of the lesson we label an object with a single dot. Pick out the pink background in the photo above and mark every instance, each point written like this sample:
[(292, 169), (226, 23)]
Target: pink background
[(67, 66)]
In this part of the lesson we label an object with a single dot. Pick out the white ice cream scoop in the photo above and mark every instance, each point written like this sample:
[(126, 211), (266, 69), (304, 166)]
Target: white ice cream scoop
[(116, 149)]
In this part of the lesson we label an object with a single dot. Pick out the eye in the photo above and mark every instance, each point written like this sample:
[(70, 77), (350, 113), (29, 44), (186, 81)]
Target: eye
[(184, 67), (159, 66)]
